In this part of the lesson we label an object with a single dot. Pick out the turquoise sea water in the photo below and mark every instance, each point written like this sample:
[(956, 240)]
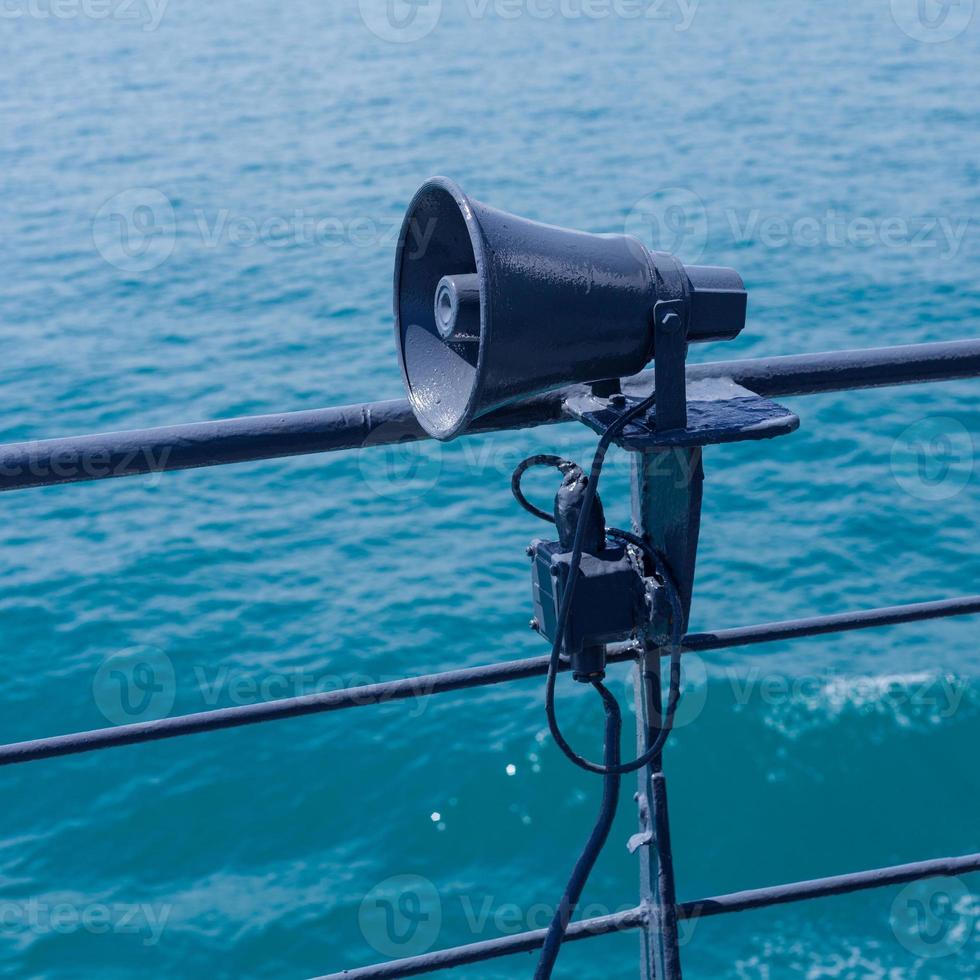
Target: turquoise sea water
[(197, 212)]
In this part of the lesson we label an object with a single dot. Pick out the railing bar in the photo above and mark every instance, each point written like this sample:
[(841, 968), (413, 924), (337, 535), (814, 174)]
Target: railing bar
[(453, 680), (848, 370), (634, 918), (241, 715), (525, 942), (825, 887), (834, 623), (138, 452)]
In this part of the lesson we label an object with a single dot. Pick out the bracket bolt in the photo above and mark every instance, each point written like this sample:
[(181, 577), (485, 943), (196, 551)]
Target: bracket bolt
[(529, 551), (534, 624)]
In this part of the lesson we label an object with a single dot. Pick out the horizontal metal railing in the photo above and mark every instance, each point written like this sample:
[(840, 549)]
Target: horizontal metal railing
[(457, 680), (635, 918), (179, 447), (94, 457)]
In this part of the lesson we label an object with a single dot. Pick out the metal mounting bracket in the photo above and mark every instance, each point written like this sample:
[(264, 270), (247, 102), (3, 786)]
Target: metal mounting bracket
[(718, 411)]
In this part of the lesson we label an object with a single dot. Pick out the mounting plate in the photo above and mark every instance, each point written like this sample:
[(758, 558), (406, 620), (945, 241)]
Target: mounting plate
[(718, 411)]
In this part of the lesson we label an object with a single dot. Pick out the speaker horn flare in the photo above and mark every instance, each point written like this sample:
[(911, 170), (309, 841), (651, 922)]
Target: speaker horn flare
[(490, 307)]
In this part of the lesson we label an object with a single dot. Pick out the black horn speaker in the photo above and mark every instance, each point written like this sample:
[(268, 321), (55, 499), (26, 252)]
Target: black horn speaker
[(490, 307)]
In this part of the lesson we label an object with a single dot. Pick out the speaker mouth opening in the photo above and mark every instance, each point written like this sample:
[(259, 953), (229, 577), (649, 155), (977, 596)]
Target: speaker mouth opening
[(440, 325)]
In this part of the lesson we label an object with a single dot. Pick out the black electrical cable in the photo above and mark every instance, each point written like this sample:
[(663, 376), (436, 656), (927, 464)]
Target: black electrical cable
[(515, 481), (676, 618), (612, 769), (600, 834)]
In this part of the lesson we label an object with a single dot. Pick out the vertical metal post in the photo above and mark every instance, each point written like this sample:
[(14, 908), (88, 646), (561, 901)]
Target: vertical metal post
[(667, 493), (648, 707)]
